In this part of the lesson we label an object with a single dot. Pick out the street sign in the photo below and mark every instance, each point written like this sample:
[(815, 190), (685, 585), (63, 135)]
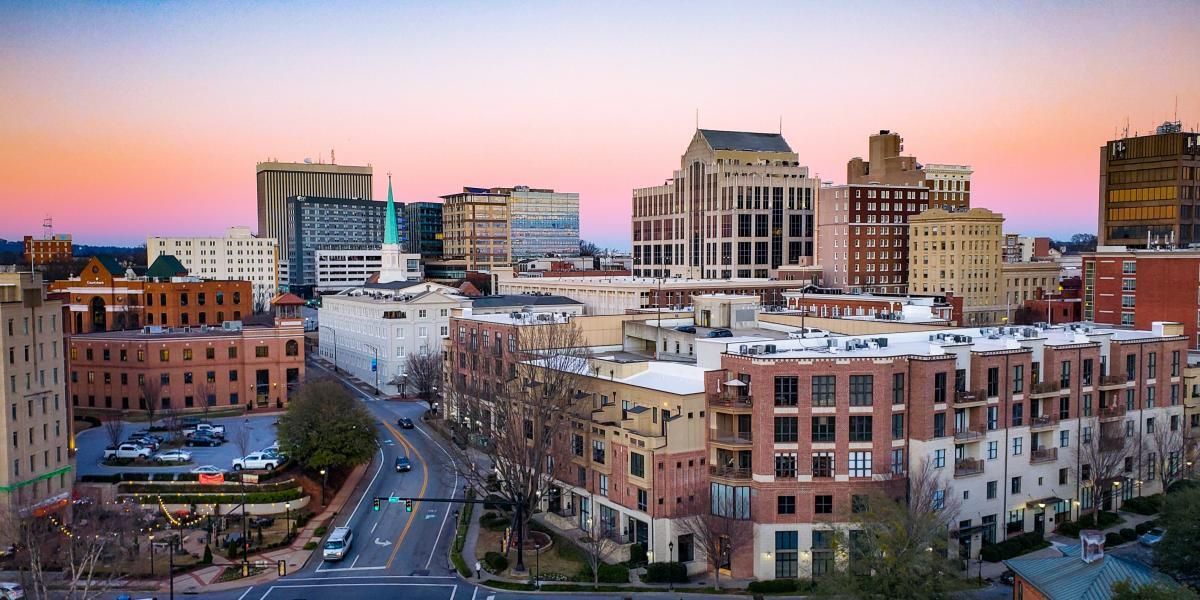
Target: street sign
[(394, 499), (374, 365)]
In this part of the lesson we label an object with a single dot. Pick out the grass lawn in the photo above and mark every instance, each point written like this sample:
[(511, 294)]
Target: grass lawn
[(560, 558)]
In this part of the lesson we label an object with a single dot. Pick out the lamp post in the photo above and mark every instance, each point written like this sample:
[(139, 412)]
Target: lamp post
[(171, 563), (287, 520), (152, 556), (671, 558), (324, 478)]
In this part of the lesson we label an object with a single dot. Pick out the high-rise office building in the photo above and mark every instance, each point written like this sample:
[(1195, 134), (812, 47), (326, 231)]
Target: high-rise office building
[(278, 181), (37, 468), (1148, 189), (238, 256), (332, 224), (740, 205), (487, 228), (424, 221), (949, 185), (959, 252)]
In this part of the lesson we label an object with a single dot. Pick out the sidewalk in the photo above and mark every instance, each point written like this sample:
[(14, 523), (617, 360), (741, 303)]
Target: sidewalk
[(295, 555)]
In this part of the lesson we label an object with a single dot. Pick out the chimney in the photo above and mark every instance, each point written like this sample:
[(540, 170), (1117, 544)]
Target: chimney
[(1091, 545)]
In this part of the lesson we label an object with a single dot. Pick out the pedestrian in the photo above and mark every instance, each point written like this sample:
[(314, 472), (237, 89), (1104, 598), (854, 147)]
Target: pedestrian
[(478, 567)]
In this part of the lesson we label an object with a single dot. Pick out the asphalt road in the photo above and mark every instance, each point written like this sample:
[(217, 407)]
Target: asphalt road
[(90, 446)]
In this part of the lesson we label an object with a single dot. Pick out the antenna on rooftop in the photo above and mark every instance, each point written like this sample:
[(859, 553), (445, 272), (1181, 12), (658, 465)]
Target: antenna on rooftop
[(47, 228), (332, 157)]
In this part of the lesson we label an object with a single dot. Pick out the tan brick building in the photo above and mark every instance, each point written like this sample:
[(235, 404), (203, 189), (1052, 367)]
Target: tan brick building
[(959, 252)]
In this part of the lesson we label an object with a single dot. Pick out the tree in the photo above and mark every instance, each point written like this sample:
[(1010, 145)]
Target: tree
[(1179, 551), (1101, 460), (171, 420), (324, 427), (241, 439), (597, 548), (899, 547), (587, 248), (1167, 447), (721, 531), (522, 414), (423, 369), (203, 391), (1123, 590), (114, 428), (151, 389)]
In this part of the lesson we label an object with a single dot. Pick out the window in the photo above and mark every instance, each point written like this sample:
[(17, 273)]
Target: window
[(1063, 475), (1016, 485), (822, 553), (993, 449), (1018, 445), (730, 501), (786, 430), (860, 390), (898, 388), (939, 499), (939, 425), (898, 461), (1018, 414), (785, 505), (785, 465), (637, 464), (824, 388), (824, 429), (787, 390), (993, 382), (991, 490), (164, 355), (643, 499), (292, 348), (897, 426), (860, 464), (939, 458), (993, 417), (786, 554), (822, 464), (1064, 438), (233, 352), (686, 546), (860, 428), (823, 504), (261, 351), (939, 388)]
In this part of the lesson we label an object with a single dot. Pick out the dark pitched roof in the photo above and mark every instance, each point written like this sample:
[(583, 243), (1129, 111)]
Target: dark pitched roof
[(373, 283), (519, 300), (166, 266), (745, 140), (110, 264), (287, 299)]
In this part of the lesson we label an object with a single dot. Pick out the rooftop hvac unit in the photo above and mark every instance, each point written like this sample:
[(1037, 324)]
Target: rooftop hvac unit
[(752, 350), (850, 345), (771, 349), (742, 348), (831, 343), (883, 342)]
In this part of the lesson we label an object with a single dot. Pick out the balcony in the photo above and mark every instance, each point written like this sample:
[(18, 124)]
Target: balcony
[(970, 398), (731, 403), (967, 467), (730, 438), (1042, 455), (1112, 412), (731, 473), (1043, 422), (1111, 443), (1047, 389), (1112, 382), (970, 434)]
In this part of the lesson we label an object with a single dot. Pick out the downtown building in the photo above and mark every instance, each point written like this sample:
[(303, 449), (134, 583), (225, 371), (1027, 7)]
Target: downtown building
[(238, 256), (739, 206), (863, 235), (424, 220), (1128, 287), (959, 251), (488, 228), (1148, 188), (278, 181), (793, 435), (949, 185), (324, 223), (36, 423), (55, 248)]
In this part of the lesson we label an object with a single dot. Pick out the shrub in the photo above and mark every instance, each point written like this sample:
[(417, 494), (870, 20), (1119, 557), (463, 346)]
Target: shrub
[(1141, 528), (637, 555), (772, 586), (491, 500), (207, 559), (608, 573), (320, 531), (1014, 546), (1113, 539), (1108, 519), (310, 546), (251, 498), (1128, 534), (495, 561), (1144, 505), (665, 572)]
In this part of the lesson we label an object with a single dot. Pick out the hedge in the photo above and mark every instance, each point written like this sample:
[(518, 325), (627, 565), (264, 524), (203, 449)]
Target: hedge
[(495, 561), (1128, 534), (1014, 546), (1088, 521), (608, 573), (1144, 505), (199, 488), (775, 586), (1145, 526), (251, 497), (1113, 539), (122, 477), (665, 572)]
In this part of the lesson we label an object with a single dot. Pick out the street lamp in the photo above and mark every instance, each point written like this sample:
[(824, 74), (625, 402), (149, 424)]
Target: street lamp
[(287, 521), (152, 556), (324, 478), (671, 558), (171, 563), (375, 366), (334, 332)]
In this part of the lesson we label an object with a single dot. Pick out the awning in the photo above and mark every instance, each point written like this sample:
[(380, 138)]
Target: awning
[(1042, 504)]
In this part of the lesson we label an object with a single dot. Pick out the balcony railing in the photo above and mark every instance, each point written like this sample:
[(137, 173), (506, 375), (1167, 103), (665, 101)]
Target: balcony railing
[(732, 401), (738, 438), (1110, 443), (1112, 411), (1042, 455), (1043, 422), (974, 432), (1114, 380), (1047, 388), (968, 466), (970, 396), (735, 473)]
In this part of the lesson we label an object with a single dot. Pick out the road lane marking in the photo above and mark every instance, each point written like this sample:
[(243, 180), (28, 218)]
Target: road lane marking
[(345, 569), (326, 579), (360, 501), (245, 592), (384, 584), (424, 485), (453, 492), (355, 561)]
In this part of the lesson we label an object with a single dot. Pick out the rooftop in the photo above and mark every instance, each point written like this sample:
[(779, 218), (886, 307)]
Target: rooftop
[(663, 376), (1068, 577), (520, 300), (651, 282), (745, 140), (228, 329)]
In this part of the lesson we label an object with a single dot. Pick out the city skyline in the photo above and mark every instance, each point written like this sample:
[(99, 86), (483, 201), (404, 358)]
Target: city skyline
[(127, 107)]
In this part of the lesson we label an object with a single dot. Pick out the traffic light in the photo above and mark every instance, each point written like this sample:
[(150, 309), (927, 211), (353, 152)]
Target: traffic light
[(376, 504), (408, 505)]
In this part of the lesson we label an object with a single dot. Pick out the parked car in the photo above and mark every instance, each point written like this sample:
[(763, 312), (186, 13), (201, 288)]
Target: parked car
[(260, 522), (148, 442), (257, 460), (201, 439), (128, 450), (403, 464), (1152, 537), (1007, 577), (11, 591), (208, 470), (686, 329), (209, 429), (170, 456), (338, 544), (405, 423), (720, 333)]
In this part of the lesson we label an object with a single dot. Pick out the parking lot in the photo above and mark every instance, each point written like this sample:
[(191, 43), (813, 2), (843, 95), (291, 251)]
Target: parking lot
[(90, 446)]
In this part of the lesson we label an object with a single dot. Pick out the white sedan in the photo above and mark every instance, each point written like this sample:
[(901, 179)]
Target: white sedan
[(208, 470), (173, 456)]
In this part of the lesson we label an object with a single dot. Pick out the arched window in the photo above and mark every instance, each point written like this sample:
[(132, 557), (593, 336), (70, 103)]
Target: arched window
[(237, 297), (292, 348)]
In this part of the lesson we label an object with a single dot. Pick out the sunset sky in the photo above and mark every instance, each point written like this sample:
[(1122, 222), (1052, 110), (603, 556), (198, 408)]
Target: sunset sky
[(127, 119)]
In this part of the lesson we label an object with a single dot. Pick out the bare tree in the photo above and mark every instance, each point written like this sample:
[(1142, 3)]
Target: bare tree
[(203, 391), (114, 428), (1167, 446), (171, 420), (517, 398), (721, 531), (241, 439), (596, 546), (1101, 460), (423, 369), (151, 389)]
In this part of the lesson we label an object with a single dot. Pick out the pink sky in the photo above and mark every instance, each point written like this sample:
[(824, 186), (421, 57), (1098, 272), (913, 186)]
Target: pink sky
[(128, 120)]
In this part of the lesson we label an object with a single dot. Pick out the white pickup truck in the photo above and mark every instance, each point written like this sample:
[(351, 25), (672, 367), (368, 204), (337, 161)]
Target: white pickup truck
[(257, 460), (127, 451), (209, 429)]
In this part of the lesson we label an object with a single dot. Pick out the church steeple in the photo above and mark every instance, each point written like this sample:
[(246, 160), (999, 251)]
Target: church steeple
[(390, 235)]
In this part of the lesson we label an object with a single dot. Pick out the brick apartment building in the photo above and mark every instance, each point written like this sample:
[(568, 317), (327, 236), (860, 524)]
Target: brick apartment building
[(104, 297), (255, 366), (863, 235), (1134, 288), (56, 248), (796, 433)]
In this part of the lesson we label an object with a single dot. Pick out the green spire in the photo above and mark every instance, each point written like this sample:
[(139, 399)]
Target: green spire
[(390, 235)]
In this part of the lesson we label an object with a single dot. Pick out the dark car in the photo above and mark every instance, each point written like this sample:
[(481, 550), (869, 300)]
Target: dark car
[(686, 329), (403, 464), (1007, 577), (720, 333), (201, 439), (405, 423), (260, 522)]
